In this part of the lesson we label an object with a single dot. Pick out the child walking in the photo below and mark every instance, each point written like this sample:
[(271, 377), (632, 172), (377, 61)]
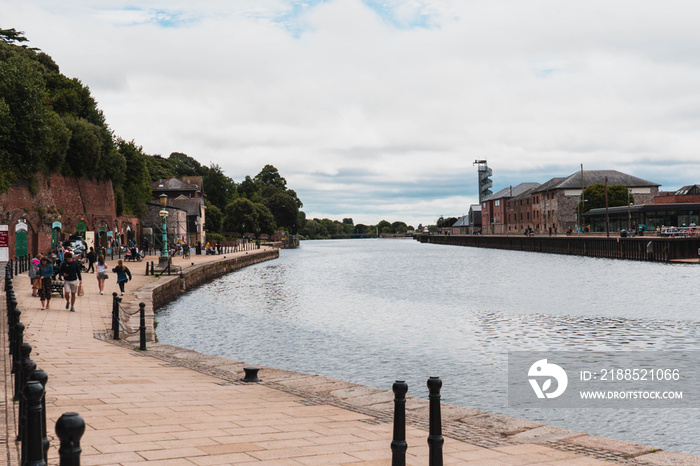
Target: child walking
[(122, 272)]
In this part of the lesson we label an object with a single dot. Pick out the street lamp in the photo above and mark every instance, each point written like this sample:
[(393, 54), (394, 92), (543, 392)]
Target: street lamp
[(164, 214)]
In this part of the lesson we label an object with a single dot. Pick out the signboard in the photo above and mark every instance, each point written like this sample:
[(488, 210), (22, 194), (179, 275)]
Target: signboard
[(4, 243)]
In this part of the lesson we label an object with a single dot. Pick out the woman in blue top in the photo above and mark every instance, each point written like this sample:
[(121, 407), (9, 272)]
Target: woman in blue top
[(122, 272), (45, 272)]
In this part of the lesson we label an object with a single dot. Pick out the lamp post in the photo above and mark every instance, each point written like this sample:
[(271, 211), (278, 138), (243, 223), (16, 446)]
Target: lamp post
[(164, 214)]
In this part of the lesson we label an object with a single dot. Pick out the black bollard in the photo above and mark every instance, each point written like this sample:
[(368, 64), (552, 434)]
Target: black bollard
[(16, 355), (42, 377), (25, 349), (142, 326), (435, 440), (398, 444), (146, 267), (70, 428), (115, 315), (32, 447), (251, 374), (28, 369)]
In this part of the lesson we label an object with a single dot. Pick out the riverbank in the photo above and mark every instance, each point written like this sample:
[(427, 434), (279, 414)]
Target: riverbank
[(175, 406), (641, 248)]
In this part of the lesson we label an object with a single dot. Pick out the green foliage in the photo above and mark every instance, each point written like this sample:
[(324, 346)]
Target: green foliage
[(214, 237), (284, 210), (84, 155), (10, 36), (184, 165), (239, 216), (594, 196), (265, 221), (159, 168), (243, 216), (137, 189), (214, 218), (219, 188), (31, 129)]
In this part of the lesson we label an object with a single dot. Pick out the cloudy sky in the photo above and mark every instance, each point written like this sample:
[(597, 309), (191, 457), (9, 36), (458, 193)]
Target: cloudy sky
[(377, 109)]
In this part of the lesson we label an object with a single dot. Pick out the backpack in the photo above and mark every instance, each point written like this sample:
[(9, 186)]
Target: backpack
[(32, 271)]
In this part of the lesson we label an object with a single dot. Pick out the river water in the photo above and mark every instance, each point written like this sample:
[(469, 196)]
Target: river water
[(374, 311)]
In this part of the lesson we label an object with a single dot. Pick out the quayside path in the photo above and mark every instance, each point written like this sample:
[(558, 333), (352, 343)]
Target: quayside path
[(171, 406)]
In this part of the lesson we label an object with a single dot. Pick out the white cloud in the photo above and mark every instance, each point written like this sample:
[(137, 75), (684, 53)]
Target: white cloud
[(363, 104)]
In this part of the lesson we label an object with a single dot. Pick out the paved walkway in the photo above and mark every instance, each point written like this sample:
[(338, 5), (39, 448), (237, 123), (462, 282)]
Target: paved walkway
[(140, 408)]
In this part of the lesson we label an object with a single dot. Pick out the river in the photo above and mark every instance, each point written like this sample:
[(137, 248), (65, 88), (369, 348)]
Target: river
[(374, 311)]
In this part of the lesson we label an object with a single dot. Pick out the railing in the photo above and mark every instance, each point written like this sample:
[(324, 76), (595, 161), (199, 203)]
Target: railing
[(118, 328), (30, 391)]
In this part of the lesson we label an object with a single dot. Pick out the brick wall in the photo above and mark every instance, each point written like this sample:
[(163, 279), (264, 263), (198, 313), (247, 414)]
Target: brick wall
[(56, 199)]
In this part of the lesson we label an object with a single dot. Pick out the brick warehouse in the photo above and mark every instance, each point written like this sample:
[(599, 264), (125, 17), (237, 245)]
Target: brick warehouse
[(58, 207)]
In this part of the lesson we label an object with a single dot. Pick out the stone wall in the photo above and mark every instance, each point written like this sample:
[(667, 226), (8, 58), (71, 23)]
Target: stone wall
[(56, 199)]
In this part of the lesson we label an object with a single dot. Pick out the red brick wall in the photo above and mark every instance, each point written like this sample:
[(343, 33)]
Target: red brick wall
[(57, 198), (675, 199)]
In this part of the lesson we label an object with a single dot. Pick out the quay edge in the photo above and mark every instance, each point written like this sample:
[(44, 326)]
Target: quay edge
[(641, 248)]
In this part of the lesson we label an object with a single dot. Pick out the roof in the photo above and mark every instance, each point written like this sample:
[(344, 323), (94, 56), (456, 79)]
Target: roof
[(475, 208), (512, 191), (523, 195), (694, 206), (172, 184), (463, 221), (688, 190), (551, 184), (591, 177)]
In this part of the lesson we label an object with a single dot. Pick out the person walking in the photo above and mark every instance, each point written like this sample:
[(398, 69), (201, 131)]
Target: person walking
[(91, 257), (34, 275), (70, 271), (101, 272), (122, 272), (45, 272)]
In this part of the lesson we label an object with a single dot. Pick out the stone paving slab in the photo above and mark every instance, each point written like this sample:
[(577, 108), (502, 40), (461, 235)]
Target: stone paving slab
[(172, 406)]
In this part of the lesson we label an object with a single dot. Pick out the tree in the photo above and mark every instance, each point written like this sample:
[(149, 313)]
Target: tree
[(214, 218), (382, 225), (239, 216), (84, 154), (137, 189), (399, 227), (184, 165), (32, 135), (265, 222), (249, 189), (594, 197), (10, 36), (218, 188), (284, 210)]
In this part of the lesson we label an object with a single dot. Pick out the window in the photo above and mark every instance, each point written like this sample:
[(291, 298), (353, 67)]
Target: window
[(497, 202)]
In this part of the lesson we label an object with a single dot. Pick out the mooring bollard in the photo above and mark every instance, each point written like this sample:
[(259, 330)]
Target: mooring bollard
[(153, 270), (28, 368), (146, 267), (17, 356), (32, 447), (142, 326), (435, 440), (42, 377), (251, 374), (398, 444), (70, 428), (115, 315), (25, 350)]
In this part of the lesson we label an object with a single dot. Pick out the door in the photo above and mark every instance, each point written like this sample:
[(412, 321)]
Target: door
[(21, 243)]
